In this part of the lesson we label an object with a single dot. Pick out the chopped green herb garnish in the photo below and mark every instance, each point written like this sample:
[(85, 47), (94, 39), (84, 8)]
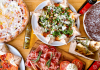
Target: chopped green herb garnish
[(48, 10), (40, 52), (56, 33), (41, 24), (49, 61), (67, 8), (69, 32), (86, 40)]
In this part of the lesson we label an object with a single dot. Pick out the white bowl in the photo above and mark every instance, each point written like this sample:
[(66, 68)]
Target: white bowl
[(34, 24), (84, 20)]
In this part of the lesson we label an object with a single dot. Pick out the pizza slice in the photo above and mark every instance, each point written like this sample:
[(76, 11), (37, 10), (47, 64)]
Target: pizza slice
[(8, 61)]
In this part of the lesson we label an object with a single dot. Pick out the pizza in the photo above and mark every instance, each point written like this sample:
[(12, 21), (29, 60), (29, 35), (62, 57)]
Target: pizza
[(56, 22), (8, 61), (92, 22), (13, 19)]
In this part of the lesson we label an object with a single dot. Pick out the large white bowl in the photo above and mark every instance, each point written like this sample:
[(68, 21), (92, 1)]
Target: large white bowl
[(34, 24)]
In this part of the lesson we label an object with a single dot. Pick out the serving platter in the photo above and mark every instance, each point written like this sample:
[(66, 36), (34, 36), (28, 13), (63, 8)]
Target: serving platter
[(16, 52), (65, 56), (34, 24)]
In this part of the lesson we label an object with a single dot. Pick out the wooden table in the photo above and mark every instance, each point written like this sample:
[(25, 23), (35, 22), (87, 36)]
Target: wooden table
[(18, 42)]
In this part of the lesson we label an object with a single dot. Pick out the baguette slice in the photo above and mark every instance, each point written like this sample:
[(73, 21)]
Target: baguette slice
[(94, 46), (83, 50)]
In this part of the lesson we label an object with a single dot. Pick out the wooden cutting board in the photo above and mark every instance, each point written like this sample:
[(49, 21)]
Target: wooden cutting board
[(65, 56)]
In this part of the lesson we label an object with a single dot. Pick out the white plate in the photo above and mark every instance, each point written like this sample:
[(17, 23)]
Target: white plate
[(16, 52), (34, 24), (84, 24)]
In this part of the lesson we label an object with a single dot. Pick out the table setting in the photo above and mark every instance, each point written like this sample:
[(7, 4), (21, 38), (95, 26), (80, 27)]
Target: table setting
[(49, 35)]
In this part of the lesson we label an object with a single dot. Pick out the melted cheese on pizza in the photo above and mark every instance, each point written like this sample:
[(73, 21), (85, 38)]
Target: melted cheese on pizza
[(6, 62), (11, 18)]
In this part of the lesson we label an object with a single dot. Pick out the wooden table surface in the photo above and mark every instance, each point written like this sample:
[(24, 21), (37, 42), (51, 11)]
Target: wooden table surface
[(18, 42)]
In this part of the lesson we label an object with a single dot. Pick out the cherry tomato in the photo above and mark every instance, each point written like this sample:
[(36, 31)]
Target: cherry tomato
[(63, 65), (3, 57), (56, 4), (1, 27), (78, 63), (45, 34), (57, 38), (52, 48)]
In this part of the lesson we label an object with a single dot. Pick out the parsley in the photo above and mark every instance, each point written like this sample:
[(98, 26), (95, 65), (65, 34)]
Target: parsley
[(44, 20), (69, 32), (56, 33), (70, 20), (86, 40), (67, 9), (41, 18), (41, 24), (49, 61), (68, 14), (60, 6), (48, 10), (70, 25), (57, 19), (40, 52)]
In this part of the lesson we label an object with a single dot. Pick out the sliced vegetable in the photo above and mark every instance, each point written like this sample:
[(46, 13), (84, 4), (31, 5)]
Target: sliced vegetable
[(78, 63), (63, 65), (57, 4)]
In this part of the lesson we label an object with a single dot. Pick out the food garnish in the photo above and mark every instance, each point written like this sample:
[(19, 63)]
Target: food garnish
[(49, 61), (40, 52)]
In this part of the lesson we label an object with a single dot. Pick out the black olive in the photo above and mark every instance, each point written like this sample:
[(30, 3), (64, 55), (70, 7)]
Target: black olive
[(22, 18)]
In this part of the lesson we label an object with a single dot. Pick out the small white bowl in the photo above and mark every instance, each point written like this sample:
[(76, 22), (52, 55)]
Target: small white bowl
[(34, 24)]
